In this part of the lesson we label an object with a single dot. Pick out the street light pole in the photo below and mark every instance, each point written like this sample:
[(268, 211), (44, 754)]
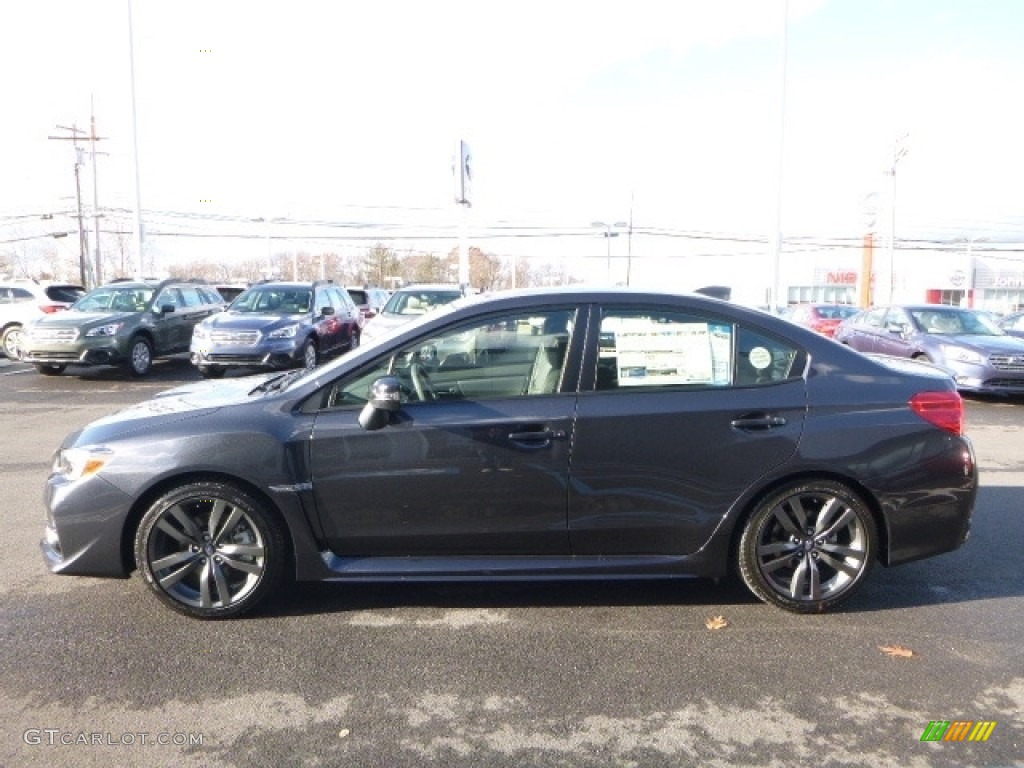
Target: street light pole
[(899, 150)]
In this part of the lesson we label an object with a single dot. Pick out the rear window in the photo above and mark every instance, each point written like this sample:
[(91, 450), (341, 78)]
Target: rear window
[(65, 293), (359, 297)]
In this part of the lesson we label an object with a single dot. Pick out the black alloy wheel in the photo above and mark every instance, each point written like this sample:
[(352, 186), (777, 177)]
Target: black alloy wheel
[(210, 550), (808, 546)]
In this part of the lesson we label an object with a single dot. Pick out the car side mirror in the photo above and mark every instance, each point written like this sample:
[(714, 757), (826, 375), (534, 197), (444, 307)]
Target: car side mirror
[(899, 328), (328, 310), (385, 399), (165, 309)]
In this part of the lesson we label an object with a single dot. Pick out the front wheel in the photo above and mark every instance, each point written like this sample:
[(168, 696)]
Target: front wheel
[(51, 370), (808, 546), (210, 550), (310, 357), (211, 371), (140, 356)]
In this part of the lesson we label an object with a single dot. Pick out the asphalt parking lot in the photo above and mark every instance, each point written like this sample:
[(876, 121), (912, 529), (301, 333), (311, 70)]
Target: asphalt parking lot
[(95, 673)]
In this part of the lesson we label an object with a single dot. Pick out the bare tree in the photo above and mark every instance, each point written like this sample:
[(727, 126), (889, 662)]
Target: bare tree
[(380, 266)]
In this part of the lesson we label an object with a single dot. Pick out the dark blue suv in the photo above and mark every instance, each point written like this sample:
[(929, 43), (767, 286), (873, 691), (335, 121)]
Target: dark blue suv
[(275, 325)]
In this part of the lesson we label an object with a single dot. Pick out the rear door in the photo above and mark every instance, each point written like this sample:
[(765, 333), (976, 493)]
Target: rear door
[(684, 413)]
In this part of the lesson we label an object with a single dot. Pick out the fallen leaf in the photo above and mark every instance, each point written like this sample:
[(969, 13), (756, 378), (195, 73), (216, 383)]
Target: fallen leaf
[(716, 622), (896, 651), (343, 733)]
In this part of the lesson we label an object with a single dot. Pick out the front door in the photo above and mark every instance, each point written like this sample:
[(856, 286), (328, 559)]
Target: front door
[(475, 463)]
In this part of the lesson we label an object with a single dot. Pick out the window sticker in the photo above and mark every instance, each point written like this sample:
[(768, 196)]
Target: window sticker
[(760, 358), (662, 354)]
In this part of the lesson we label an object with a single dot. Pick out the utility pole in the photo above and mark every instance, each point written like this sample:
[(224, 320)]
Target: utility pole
[(95, 269), (93, 138), (74, 130)]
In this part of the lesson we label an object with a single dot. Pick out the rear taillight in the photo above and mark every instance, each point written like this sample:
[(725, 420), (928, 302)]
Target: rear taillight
[(51, 308), (943, 409)]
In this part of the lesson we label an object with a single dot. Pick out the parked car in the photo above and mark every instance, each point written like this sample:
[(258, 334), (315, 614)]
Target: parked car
[(276, 325), (370, 301), (23, 300), (702, 438), (978, 354), (409, 303), (823, 318), (1013, 324), (124, 323)]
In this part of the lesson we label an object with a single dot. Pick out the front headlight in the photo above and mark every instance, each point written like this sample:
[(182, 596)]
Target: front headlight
[(288, 332), (77, 463), (110, 329), (961, 355)]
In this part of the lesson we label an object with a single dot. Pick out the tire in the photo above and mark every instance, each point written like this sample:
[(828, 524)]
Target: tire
[(10, 342), (310, 355), (140, 356), (353, 341), (209, 550), (211, 372), (788, 549), (51, 370)]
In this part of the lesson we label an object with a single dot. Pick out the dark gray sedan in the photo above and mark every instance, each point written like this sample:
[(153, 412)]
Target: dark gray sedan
[(978, 354), (533, 435)]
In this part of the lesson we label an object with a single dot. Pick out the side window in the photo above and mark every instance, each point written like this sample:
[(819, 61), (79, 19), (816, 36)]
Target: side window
[(507, 356), (338, 299), (191, 297), (169, 296), (21, 295), (210, 296), (344, 300), (641, 348), (873, 319), (666, 349), (762, 359)]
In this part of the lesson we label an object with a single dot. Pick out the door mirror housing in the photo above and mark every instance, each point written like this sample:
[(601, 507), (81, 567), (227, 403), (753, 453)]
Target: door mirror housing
[(385, 399)]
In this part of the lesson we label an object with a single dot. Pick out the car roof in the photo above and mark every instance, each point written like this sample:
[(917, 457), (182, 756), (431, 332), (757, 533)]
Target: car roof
[(429, 287)]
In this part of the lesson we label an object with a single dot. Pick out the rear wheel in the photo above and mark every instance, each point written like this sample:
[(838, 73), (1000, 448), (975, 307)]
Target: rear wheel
[(140, 356), (210, 550), (10, 342), (808, 546)]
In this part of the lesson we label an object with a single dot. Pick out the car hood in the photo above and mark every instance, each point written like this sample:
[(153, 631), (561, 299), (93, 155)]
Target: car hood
[(71, 318), (383, 324), (984, 344), (249, 321), (173, 405)]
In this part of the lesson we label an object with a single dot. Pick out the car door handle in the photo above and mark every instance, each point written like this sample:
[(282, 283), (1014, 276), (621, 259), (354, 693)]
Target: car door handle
[(537, 438), (758, 422)]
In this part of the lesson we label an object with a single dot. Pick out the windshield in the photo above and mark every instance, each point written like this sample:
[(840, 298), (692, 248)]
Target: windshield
[(955, 321), (273, 301), (419, 302), (113, 299)]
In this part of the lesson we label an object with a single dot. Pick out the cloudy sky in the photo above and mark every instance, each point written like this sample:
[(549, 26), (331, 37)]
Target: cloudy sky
[(575, 111)]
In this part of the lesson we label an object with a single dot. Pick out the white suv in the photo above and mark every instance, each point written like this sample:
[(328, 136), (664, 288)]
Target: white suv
[(22, 300)]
